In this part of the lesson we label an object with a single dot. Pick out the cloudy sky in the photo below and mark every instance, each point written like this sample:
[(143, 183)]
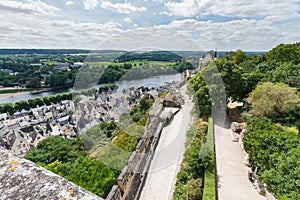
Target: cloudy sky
[(177, 24)]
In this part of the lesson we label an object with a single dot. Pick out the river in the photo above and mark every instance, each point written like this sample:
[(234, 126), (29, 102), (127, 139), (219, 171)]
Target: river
[(148, 82)]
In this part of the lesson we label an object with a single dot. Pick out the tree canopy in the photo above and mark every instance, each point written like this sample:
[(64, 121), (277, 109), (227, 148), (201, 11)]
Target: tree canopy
[(275, 151), (69, 159), (273, 99)]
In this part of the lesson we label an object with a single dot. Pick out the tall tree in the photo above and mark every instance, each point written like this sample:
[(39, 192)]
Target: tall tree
[(273, 99)]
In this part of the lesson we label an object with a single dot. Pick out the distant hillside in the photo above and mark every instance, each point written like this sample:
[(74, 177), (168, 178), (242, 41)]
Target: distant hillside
[(55, 51), (151, 55), (43, 51)]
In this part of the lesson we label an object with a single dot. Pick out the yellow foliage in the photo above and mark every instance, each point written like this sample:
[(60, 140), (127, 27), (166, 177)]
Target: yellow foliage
[(11, 169), (292, 129), (13, 162), (71, 191)]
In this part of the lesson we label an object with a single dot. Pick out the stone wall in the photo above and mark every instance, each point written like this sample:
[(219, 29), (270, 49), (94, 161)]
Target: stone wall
[(23, 179), (133, 176)]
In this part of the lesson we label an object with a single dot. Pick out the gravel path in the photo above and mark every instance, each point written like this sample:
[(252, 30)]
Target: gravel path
[(233, 183), (166, 161)]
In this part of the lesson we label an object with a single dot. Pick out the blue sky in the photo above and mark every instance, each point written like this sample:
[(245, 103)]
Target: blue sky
[(165, 24)]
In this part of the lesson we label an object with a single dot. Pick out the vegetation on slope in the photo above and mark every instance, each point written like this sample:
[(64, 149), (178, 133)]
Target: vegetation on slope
[(196, 162), (69, 159), (274, 150), (209, 190), (269, 86), (129, 130)]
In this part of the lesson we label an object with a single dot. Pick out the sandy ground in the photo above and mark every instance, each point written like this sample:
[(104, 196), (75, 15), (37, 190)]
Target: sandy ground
[(166, 161), (233, 183)]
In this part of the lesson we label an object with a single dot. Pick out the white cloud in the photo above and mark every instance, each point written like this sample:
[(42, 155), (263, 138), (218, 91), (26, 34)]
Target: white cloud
[(90, 4), (186, 8), (231, 8), (256, 25), (127, 19), (125, 8), (29, 7), (246, 34), (88, 27), (69, 3), (150, 39), (36, 32)]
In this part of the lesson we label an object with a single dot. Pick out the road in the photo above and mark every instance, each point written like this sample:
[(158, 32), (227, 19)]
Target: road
[(233, 183), (166, 161)]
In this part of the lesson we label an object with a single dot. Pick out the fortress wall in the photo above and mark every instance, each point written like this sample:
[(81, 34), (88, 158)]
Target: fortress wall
[(133, 176)]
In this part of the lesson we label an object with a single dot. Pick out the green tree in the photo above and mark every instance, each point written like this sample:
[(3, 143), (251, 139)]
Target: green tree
[(288, 73), (232, 76), (32, 103), (39, 101), (69, 158), (47, 100), (56, 148), (57, 80), (22, 104), (239, 56), (273, 99), (285, 53), (33, 83), (274, 150), (208, 90), (92, 175), (9, 108), (54, 99)]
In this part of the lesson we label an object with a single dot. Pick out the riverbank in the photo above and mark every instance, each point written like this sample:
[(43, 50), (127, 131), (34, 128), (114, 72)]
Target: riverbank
[(148, 82)]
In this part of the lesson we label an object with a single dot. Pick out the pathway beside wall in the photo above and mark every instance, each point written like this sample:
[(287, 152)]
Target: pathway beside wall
[(166, 161), (233, 183)]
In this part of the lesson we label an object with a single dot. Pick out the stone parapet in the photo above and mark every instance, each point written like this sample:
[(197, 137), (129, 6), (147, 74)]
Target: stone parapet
[(23, 179)]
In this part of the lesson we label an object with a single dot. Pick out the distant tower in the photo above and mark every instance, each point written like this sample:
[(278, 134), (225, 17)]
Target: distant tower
[(216, 54)]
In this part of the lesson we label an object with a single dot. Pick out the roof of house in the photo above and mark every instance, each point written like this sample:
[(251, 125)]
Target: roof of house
[(22, 179), (63, 119)]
